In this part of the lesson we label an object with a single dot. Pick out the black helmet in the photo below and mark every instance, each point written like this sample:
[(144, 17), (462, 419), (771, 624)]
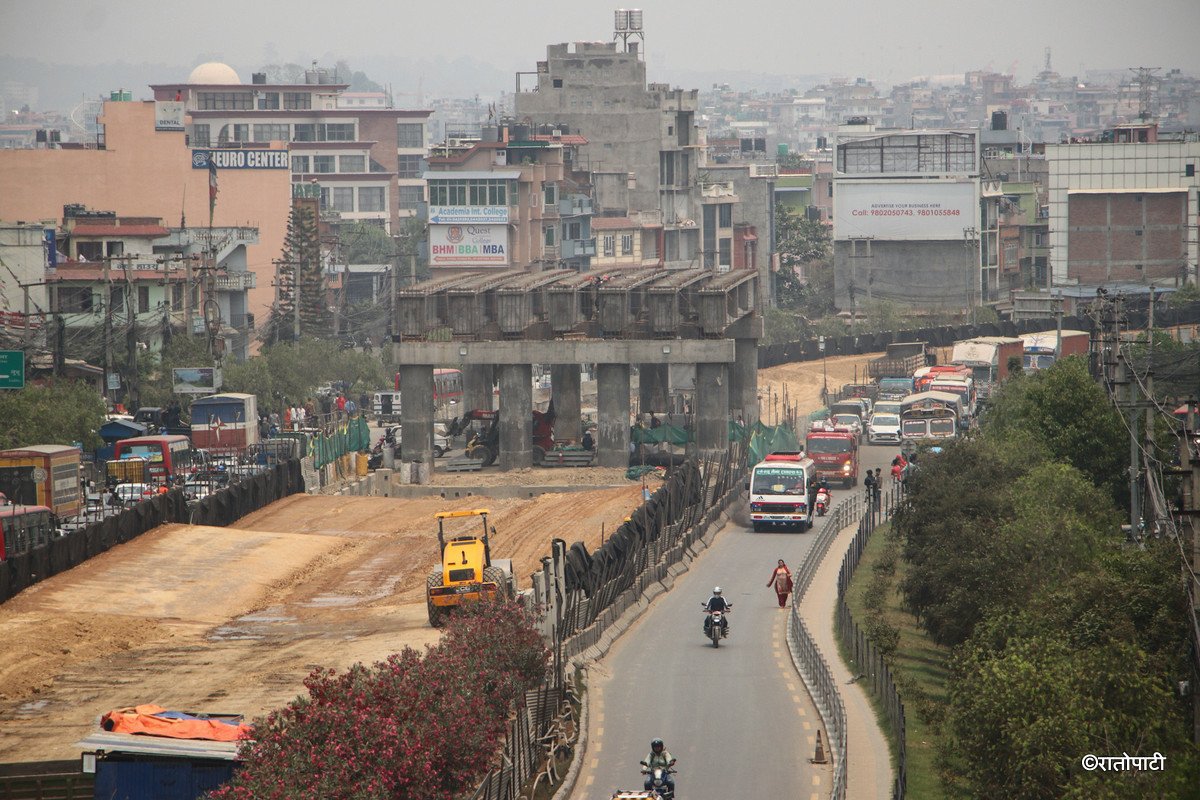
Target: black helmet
[(656, 745)]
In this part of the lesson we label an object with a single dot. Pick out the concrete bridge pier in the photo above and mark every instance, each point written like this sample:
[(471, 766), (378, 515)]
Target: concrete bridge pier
[(653, 387), (516, 416), (416, 404), (712, 407), (478, 382), (612, 389), (743, 380), (565, 392)]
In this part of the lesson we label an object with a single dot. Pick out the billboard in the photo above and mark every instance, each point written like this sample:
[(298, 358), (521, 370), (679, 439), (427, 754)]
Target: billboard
[(241, 159), (468, 215), (196, 380), (168, 115), (891, 210), (468, 245)]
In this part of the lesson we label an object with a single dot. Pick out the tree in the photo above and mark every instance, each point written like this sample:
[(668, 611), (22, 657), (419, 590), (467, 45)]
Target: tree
[(56, 412), (302, 280), (367, 244), (412, 727)]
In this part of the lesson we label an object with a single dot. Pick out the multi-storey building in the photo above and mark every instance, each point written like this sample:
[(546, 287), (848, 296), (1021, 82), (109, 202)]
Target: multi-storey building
[(367, 158)]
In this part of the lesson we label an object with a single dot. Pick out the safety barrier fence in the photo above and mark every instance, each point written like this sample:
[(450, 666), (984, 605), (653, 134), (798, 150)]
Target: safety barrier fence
[(22, 570), (811, 664), (863, 653), (530, 729)]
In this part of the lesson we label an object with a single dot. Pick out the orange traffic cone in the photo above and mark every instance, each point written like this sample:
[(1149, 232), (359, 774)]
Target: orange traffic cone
[(819, 756)]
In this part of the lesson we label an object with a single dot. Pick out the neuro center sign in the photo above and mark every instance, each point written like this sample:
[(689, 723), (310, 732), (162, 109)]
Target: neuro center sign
[(241, 159), (903, 210), (468, 245)]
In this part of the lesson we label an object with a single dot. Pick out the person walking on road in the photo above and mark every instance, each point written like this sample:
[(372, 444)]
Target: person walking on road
[(781, 579), (869, 482)]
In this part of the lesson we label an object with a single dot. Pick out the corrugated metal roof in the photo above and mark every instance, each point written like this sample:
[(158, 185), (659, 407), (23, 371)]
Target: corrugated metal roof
[(150, 231), (448, 175), (159, 746)]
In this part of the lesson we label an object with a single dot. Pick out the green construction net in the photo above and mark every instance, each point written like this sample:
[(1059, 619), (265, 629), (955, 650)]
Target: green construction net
[(764, 439), (351, 436), (670, 434)]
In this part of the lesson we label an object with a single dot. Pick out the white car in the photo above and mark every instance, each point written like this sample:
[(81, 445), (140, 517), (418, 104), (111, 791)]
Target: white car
[(197, 490), (886, 407), (134, 492), (883, 428), (851, 422)]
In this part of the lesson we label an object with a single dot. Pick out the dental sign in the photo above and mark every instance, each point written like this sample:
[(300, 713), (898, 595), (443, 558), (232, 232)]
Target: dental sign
[(241, 159)]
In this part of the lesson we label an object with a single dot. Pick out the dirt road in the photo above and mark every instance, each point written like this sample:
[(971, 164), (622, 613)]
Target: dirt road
[(803, 381), (232, 619)]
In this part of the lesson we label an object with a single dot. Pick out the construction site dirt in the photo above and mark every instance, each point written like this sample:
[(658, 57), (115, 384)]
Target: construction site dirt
[(230, 620)]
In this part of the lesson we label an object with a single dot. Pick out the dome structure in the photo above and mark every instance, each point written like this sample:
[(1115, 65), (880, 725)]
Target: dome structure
[(214, 72)]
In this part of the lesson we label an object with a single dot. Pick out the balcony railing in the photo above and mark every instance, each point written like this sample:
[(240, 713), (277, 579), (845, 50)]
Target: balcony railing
[(236, 281), (575, 207), (578, 248)]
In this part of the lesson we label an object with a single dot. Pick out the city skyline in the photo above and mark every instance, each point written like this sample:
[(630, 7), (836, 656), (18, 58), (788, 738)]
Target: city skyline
[(894, 46)]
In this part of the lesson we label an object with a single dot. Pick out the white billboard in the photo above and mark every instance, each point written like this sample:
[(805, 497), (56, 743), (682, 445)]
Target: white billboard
[(468, 245), (467, 215), (904, 210)]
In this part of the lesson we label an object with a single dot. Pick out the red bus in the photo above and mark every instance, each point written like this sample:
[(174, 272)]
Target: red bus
[(23, 528), (163, 456), (447, 385)]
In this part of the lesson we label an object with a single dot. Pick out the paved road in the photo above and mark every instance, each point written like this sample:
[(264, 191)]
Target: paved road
[(735, 717)]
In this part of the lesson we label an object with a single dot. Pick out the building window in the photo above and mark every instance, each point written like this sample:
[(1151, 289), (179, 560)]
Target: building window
[(233, 133), (410, 134), (176, 295), (627, 244), (114, 249), (143, 299), (408, 166), (551, 195), (200, 134), (410, 197), (725, 215), (550, 238), (610, 246), (477, 193), (224, 101), (370, 198), (323, 164), (352, 163), (90, 251), (271, 133), (343, 198), (268, 101), (573, 231), (304, 132), (557, 82), (300, 164), (336, 132), (297, 100), (724, 252), (74, 299)]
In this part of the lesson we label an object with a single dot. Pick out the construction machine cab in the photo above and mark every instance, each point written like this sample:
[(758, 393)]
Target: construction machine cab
[(467, 571)]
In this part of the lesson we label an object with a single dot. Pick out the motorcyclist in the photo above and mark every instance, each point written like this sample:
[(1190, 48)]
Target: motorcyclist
[(823, 486), (658, 757), (717, 603)]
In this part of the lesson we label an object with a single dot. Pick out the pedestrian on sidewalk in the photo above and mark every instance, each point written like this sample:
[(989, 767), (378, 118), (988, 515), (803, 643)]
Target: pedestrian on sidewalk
[(781, 579)]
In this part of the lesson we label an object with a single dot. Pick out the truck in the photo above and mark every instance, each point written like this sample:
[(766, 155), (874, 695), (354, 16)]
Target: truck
[(1040, 348), (467, 571), (988, 358), (42, 475), (778, 489), (834, 453), (900, 360)]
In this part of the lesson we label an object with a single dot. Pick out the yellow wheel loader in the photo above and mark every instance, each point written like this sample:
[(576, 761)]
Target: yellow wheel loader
[(467, 571)]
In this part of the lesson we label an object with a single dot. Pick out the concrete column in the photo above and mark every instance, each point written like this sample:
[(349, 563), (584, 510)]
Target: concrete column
[(516, 416), (712, 406), (477, 388), (612, 390), (743, 380), (653, 386), (564, 391), (416, 414)]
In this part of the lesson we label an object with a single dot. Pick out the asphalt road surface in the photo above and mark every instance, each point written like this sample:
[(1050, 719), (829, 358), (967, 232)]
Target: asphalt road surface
[(737, 717)]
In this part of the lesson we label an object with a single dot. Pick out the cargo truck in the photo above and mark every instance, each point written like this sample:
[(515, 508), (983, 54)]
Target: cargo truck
[(42, 475), (899, 361), (988, 357), (1043, 349)]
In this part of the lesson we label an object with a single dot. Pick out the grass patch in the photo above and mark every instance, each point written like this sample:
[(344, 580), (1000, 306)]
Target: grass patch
[(919, 666)]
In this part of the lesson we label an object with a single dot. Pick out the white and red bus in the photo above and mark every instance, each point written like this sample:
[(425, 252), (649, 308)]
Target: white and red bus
[(159, 457), (447, 386), (23, 528), (225, 424)]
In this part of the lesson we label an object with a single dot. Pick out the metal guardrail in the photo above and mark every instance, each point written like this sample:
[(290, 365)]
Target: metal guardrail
[(863, 652)]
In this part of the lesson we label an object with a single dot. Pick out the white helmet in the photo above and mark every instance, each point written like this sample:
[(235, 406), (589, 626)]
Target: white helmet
[(716, 590)]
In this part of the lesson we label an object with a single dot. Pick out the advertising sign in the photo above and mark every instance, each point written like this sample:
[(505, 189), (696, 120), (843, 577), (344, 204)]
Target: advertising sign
[(12, 369), (468, 245), (196, 380), (468, 215), (241, 159), (903, 210), (168, 115)]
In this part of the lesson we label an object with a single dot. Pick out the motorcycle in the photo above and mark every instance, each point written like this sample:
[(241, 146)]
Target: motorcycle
[(715, 625), (375, 458), (822, 503), (659, 787)]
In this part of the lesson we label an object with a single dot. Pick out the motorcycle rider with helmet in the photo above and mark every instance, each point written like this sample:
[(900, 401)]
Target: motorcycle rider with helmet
[(659, 757), (717, 603)]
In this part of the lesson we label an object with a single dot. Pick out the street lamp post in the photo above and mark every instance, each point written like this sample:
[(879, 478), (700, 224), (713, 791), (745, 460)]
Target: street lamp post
[(824, 375)]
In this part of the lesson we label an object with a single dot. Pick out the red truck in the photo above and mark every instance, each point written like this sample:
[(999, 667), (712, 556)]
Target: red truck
[(834, 453)]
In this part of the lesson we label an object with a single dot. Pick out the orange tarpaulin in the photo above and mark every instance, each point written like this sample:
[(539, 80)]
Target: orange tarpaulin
[(158, 721)]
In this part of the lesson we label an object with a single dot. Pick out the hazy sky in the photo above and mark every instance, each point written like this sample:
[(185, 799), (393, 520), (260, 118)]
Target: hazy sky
[(889, 41)]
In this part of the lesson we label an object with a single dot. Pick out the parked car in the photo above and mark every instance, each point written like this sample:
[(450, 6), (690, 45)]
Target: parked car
[(198, 490), (134, 492)]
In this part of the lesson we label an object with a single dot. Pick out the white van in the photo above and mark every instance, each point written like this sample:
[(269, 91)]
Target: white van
[(386, 406)]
